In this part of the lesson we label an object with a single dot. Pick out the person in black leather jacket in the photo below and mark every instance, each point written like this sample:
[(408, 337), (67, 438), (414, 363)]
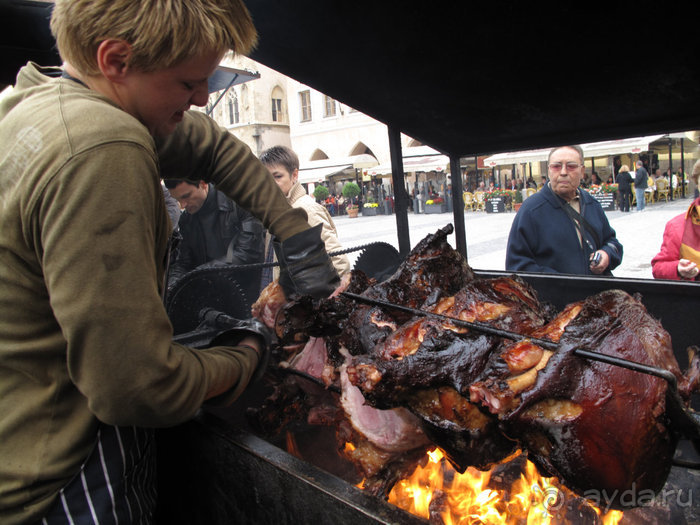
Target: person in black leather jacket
[(215, 232)]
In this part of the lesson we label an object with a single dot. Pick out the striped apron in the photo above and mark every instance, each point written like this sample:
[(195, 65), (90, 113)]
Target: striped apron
[(115, 485)]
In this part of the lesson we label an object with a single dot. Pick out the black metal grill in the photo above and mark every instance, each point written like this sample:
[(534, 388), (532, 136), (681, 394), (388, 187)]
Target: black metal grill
[(214, 470)]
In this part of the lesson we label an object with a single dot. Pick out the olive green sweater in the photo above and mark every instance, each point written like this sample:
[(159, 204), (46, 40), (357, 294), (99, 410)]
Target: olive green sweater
[(84, 336)]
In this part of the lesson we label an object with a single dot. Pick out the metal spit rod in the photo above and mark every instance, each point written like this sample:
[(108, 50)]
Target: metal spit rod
[(507, 334), (687, 421)]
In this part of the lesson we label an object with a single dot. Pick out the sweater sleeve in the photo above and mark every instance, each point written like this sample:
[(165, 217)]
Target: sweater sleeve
[(319, 215), (520, 255), (99, 223), (200, 149), (664, 265)]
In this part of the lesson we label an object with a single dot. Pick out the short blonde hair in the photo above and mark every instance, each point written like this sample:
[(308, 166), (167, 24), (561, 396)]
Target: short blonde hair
[(162, 33), (624, 167)]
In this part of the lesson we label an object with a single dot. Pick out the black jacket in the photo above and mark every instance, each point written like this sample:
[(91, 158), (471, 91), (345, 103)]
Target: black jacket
[(220, 233), (641, 178), (624, 181)]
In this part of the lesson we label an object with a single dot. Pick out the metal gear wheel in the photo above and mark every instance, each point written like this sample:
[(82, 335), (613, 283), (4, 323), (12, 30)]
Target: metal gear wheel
[(378, 260), (199, 290)]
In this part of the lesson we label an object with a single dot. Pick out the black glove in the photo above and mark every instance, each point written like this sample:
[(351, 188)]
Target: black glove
[(238, 329), (305, 267)]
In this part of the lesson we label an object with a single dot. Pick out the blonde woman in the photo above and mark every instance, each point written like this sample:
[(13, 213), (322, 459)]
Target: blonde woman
[(624, 187)]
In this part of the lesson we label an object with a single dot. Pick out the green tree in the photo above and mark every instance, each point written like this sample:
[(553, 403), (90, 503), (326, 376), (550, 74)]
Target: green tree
[(351, 190), (321, 193)]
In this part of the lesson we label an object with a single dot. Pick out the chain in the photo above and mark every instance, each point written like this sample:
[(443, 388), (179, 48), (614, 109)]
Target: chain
[(255, 266)]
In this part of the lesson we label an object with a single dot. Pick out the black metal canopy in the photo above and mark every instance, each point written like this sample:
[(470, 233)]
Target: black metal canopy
[(466, 77), (486, 77)]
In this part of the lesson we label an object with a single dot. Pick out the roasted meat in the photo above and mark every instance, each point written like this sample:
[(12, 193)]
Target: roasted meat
[(427, 365), (384, 445), (478, 396), (595, 426), (431, 271)]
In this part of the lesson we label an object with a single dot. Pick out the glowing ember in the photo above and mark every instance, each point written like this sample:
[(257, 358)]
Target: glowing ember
[(292, 447), (439, 493)]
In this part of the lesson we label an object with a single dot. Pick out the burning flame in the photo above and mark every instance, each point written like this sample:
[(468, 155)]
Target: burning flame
[(292, 447), (467, 498)]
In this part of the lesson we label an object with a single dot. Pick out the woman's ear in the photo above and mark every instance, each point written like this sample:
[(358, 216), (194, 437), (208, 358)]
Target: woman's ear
[(113, 58)]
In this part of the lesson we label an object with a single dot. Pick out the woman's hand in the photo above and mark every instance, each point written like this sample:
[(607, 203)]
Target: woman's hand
[(687, 269)]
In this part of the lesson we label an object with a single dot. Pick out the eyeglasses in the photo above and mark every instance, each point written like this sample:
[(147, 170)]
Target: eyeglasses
[(557, 166)]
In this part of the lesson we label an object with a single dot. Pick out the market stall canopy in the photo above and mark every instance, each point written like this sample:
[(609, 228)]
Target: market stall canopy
[(319, 170), (225, 77), (320, 174), (417, 158), (632, 146), (517, 157)]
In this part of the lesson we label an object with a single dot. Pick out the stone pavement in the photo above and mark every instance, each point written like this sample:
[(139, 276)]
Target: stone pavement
[(487, 234)]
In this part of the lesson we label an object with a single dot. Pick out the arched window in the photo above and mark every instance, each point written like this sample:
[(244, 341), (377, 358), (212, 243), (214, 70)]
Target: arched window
[(232, 108), (277, 97)]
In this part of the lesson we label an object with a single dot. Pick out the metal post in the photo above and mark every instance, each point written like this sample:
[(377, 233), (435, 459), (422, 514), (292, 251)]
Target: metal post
[(223, 92), (682, 177), (670, 165), (401, 197), (458, 205)]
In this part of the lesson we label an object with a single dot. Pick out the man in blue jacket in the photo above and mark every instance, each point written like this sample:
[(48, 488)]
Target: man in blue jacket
[(562, 229)]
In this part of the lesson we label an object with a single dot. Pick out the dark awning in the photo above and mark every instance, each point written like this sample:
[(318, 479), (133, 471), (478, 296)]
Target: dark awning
[(225, 77), (466, 78), (488, 77)]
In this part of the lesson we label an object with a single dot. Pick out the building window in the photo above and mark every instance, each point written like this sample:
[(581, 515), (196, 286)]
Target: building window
[(233, 116), (277, 110), (328, 106), (305, 103)]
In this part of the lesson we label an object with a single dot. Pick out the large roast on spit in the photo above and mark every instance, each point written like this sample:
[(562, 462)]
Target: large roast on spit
[(480, 368)]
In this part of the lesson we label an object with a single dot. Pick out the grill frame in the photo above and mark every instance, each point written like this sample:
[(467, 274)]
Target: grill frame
[(215, 471)]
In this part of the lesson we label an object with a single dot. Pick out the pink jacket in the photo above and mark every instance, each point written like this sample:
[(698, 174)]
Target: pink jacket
[(664, 265)]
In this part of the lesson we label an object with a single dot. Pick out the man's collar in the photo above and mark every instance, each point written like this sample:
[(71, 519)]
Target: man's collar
[(561, 199), (210, 203)]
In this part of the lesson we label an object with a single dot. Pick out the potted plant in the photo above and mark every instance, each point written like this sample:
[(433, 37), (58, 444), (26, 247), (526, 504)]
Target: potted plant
[(370, 208), (517, 200), (321, 193), (435, 205), (350, 191)]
